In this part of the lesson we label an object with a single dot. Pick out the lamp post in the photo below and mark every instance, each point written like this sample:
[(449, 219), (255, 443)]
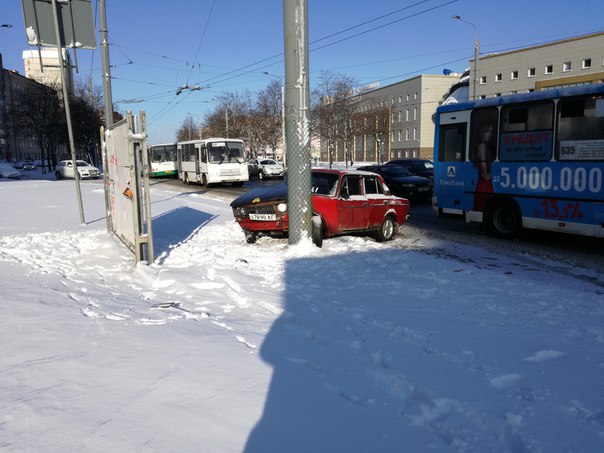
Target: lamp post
[(283, 143), (476, 54), (195, 114)]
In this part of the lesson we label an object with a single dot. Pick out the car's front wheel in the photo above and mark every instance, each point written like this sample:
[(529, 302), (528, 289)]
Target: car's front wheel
[(387, 230), (250, 237), (58, 175)]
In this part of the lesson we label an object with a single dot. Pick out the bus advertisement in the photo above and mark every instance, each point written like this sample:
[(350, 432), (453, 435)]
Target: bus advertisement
[(533, 160), (212, 161)]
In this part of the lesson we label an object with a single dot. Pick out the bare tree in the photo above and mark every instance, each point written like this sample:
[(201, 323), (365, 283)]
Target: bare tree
[(332, 111), (374, 124), (188, 130), (39, 114), (268, 117), (87, 112)]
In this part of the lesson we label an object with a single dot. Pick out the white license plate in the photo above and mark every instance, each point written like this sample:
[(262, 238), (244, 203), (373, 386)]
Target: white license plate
[(263, 217)]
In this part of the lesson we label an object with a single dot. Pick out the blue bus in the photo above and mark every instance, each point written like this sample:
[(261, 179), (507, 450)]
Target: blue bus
[(532, 160)]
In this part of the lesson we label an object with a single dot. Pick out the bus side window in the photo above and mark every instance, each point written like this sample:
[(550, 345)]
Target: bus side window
[(580, 121), (204, 154), (452, 143)]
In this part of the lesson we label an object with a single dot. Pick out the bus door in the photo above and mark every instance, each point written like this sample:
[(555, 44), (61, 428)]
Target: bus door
[(450, 173), (200, 160)]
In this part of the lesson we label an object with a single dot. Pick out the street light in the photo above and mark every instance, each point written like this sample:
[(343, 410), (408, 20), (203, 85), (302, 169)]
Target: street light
[(189, 113), (283, 143), (476, 54)]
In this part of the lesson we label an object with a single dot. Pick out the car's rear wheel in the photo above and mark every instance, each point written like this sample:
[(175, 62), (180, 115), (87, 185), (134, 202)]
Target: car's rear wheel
[(387, 230), (250, 236), (58, 175), (261, 175)]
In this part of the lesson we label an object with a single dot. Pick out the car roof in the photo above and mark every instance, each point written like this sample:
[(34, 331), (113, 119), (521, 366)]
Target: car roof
[(338, 171)]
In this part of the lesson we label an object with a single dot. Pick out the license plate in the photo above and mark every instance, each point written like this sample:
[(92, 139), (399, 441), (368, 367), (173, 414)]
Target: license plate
[(423, 189), (263, 217)]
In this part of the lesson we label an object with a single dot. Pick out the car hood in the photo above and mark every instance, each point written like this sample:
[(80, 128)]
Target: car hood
[(277, 192)]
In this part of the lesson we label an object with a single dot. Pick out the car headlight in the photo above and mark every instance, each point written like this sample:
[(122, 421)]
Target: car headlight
[(240, 211), (282, 207), (408, 186)]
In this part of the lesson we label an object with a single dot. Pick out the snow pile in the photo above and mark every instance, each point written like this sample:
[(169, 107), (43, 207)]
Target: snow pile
[(221, 346)]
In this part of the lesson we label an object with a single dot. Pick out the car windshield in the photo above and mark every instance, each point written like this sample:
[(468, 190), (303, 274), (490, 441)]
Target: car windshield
[(395, 171), (268, 162), (324, 183), (226, 152), (81, 163)]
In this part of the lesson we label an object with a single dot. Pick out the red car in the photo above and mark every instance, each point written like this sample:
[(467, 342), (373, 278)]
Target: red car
[(344, 201)]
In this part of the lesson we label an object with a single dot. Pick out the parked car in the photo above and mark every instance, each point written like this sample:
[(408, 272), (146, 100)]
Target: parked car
[(29, 165), (253, 167), (419, 167), (8, 171), (64, 169), (401, 182), (270, 169), (344, 201)]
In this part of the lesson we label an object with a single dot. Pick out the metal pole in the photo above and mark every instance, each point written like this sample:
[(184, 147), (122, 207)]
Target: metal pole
[(297, 119), (476, 54), (106, 68), (76, 174), (283, 142)]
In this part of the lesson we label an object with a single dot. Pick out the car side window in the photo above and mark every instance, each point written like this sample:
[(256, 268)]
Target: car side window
[(351, 186), (373, 186)]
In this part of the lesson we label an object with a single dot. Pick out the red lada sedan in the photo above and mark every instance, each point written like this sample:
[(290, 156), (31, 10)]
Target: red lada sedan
[(344, 201)]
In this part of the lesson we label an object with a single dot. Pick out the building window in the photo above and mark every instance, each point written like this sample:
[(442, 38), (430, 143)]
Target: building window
[(514, 75), (566, 66), (549, 69), (406, 135), (483, 80), (415, 95), (400, 99), (414, 113), (497, 77), (531, 72), (407, 115), (586, 63), (415, 133)]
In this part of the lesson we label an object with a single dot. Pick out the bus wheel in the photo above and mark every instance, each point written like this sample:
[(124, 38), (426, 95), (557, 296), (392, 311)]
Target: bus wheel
[(503, 220), (250, 236), (387, 231), (186, 178), (204, 181)]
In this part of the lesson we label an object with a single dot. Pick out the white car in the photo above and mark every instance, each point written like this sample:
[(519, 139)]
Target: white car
[(64, 169), (8, 171), (270, 169)]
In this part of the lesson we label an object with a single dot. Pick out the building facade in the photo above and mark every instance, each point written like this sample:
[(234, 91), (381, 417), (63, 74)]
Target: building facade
[(16, 143), (569, 62), (43, 66)]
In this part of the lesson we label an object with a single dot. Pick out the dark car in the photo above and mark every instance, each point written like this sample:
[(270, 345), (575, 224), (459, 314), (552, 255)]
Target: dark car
[(419, 167), (401, 182), (343, 201), (253, 167)]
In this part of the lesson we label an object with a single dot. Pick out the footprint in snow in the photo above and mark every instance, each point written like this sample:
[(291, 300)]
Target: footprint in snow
[(545, 356)]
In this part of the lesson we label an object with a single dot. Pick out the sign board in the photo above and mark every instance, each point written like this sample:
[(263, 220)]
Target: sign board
[(76, 23), (125, 166)]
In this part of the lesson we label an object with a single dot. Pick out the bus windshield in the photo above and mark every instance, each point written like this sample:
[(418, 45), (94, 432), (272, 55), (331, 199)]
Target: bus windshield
[(226, 152)]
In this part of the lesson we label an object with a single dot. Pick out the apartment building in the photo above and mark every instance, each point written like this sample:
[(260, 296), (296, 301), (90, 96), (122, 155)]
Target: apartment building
[(569, 62)]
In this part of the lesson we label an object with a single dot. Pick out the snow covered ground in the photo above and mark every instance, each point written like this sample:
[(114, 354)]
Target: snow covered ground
[(415, 345)]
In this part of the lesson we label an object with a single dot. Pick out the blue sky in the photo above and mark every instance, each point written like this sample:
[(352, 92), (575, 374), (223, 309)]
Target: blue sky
[(158, 46)]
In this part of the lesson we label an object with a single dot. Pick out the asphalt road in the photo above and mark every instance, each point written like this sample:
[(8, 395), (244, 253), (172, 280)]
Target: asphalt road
[(579, 250)]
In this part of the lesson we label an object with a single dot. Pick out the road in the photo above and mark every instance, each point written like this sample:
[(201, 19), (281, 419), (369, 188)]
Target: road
[(578, 250)]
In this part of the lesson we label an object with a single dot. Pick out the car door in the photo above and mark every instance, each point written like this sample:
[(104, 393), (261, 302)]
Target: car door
[(352, 204), (68, 170), (377, 202)]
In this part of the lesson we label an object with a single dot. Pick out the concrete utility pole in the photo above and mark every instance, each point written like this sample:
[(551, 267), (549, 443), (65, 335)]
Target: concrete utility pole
[(76, 173), (106, 68), (297, 119)]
